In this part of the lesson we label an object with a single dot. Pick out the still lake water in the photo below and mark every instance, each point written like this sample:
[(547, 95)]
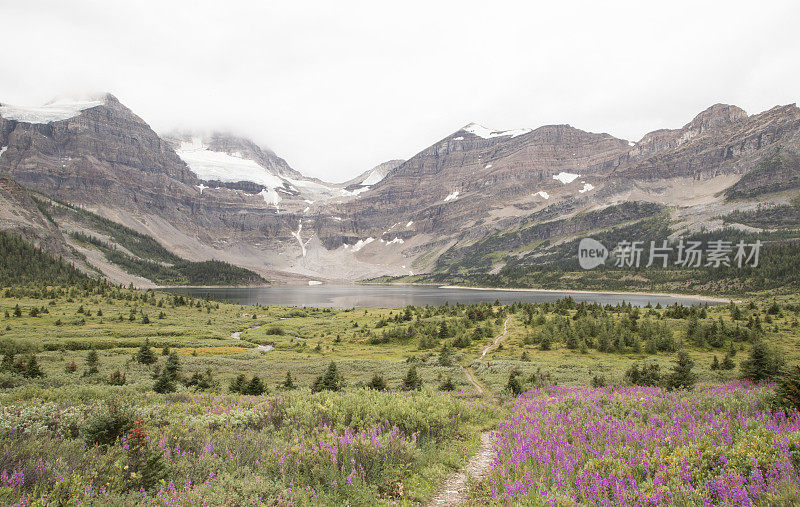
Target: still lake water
[(372, 296)]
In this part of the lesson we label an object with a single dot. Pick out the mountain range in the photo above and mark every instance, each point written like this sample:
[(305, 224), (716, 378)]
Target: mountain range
[(490, 196)]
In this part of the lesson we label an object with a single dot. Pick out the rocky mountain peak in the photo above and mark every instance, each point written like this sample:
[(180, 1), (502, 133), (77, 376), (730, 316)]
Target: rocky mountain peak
[(715, 116)]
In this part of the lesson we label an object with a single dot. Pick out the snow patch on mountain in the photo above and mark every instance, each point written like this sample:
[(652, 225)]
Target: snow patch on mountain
[(586, 187), (216, 165), (452, 197), (485, 133), (565, 177), (395, 241), (374, 177), (270, 197), (58, 110), (3, 150), (361, 243), (542, 193)]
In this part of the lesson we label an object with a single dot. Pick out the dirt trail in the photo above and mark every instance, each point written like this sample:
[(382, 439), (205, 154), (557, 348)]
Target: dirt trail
[(455, 489), (500, 338), (473, 380)]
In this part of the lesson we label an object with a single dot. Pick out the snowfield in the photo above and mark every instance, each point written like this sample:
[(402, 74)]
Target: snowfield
[(485, 133), (452, 197), (566, 178), (58, 110)]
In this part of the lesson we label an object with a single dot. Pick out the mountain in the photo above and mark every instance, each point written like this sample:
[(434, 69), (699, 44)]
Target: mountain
[(220, 196), (373, 176)]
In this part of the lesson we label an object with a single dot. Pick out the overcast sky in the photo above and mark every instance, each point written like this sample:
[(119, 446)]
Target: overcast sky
[(336, 87)]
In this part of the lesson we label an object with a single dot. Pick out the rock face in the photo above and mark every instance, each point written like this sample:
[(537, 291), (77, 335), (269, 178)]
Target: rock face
[(221, 196)]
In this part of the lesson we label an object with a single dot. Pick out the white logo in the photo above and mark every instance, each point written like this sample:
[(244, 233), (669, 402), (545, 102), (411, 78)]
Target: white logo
[(591, 253)]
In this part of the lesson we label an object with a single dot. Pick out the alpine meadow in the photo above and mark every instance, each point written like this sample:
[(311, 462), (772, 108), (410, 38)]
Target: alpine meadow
[(279, 259)]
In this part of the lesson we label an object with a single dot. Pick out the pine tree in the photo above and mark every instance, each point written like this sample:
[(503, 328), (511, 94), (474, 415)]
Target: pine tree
[(447, 385), (514, 386), (715, 363), (446, 356), (145, 354), (412, 380), (172, 367), (92, 363), (763, 364), (32, 369), (377, 383), (727, 363), (255, 387), (288, 383), (238, 384), (329, 381), (164, 384), (682, 376)]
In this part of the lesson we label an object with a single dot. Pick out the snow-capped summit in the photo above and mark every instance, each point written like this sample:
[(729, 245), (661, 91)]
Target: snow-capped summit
[(56, 110), (486, 133)]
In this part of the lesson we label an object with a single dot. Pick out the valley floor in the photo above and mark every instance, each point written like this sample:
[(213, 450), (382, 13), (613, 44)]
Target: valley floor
[(115, 396)]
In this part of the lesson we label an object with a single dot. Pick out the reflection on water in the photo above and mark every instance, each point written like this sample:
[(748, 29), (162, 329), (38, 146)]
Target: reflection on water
[(371, 296)]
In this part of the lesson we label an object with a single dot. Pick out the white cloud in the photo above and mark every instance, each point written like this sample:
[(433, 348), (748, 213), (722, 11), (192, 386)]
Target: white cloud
[(335, 87)]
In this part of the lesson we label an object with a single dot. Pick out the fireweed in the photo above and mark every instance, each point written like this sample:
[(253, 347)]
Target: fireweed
[(720, 445), (288, 449)]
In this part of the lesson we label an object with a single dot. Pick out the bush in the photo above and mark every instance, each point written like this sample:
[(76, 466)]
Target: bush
[(789, 389), (644, 375), (107, 426), (377, 383)]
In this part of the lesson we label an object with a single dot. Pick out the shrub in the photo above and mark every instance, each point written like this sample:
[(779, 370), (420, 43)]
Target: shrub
[(107, 426), (644, 375), (789, 389), (447, 385), (377, 383)]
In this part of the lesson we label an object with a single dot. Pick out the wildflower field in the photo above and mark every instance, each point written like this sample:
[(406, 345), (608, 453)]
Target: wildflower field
[(113, 396), (715, 445), (329, 448)]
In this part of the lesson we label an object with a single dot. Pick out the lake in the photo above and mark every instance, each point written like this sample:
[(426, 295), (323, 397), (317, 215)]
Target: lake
[(372, 296)]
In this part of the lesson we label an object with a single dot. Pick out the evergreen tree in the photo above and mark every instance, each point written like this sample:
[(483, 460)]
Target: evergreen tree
[(727, 363), (514, 386), (255, 387), (377, 383), (763, 364), (145, 354), (446, 356), (715, 363), (164, 384), (331, 380), (682, 376), (238, 384), (412, 380), (288, 383), (172, 367), (447, 385), (32, 369), (92, 363)]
